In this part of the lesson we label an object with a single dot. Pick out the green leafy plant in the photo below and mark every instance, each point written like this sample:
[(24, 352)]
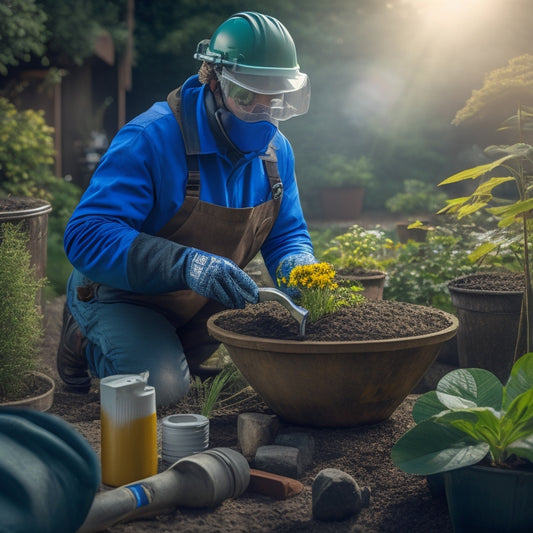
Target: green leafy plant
[(210, 389), (320, 294), (20, 321), (419, 272), (341, 170), (26, 170), (513, 216), (512, 83), (470, 416), (417, 197), (358, 248)]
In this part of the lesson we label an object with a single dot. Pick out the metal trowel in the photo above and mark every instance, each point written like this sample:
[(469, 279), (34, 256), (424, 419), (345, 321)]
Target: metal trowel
[(269, 294)]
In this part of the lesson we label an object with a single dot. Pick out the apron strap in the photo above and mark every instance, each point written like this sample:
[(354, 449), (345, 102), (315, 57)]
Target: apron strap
[(191, 140)]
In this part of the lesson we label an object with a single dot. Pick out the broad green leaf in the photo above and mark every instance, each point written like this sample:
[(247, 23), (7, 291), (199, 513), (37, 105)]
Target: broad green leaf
[(517, 421), (480, 423), (429, 448), (512, 210), (475, 172), (520, 379), (427, 406), (483, 250), (468, 209), (522, 448), (470, 387), (453, 204), (518, 150), (487, 186)]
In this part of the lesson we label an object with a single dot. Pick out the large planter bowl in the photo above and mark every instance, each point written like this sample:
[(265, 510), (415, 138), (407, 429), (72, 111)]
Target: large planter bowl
[(332, 384)]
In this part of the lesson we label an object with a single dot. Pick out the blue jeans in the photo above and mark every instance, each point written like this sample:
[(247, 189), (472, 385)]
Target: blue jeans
[(128, 338)]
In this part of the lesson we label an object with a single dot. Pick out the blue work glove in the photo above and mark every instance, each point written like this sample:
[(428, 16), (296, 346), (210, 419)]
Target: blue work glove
[(285, 267), (220, 279)]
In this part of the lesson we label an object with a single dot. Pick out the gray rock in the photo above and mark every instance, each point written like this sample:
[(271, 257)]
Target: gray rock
[(281, 460), (335, 495), (255, 430), (303, 441)]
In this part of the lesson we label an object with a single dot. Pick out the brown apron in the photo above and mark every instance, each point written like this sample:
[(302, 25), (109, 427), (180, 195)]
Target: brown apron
[(234, 233)]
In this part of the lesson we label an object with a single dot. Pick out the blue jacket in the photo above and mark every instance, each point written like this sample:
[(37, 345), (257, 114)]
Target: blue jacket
[(140, 184)]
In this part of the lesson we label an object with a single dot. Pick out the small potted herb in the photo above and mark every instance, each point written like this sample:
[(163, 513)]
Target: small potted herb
[(361, 255), (477, 434)]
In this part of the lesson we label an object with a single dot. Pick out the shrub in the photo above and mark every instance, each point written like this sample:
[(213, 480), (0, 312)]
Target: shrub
[(26, 170), (20, 321), (420, 271)]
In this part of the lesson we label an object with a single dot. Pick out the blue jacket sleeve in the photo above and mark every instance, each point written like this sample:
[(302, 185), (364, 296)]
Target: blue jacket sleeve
[(118, 215)]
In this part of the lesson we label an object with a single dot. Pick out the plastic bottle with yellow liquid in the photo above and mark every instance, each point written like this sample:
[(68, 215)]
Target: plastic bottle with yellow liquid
[(129, 429)]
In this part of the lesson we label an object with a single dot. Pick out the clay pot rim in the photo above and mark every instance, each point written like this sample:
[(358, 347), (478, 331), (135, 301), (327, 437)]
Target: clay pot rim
[(42, 402)]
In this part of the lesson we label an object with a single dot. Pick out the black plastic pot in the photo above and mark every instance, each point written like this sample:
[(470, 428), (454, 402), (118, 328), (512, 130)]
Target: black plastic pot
[(488, 328), (489, 500)]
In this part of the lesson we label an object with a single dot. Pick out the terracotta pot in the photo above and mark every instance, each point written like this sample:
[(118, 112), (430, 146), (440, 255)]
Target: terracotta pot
[(373, 282), (342, 203), (332, 384), (489, 500), (414, 234), (42, 402)]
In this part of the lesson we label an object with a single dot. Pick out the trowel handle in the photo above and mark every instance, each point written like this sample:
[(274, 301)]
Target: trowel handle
[(270, 294)]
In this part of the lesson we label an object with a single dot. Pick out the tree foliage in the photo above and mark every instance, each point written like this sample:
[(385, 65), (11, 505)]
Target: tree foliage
[(22, 32)]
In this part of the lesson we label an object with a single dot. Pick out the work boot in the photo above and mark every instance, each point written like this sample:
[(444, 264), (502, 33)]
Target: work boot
[(71, 361)]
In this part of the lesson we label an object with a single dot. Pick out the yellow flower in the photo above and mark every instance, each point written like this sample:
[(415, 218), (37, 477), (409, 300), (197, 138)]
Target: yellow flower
[(319, 293)]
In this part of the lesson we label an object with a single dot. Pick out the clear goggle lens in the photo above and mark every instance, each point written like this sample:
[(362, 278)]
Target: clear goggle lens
[(257, 105)]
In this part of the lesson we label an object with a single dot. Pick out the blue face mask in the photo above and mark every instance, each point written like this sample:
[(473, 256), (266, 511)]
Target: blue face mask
[(247, 136)]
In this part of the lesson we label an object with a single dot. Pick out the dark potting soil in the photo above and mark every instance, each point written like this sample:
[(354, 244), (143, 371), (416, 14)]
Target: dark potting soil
[(373, 320), (16, 203), (491, 281)]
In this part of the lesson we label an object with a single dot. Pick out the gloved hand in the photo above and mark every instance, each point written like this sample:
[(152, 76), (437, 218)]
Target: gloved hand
[(285, 267), (219, 278)]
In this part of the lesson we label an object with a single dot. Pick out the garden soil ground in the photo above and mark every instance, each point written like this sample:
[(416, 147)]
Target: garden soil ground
[(398, 503)]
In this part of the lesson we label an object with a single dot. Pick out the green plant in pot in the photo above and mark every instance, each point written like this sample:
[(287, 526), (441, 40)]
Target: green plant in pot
[(360, 254), (342, 183), (511, 168), (477, 434), (20, 321), (415, 202)]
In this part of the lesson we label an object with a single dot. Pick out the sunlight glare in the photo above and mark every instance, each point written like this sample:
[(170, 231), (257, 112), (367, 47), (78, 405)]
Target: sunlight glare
[(451, 13)]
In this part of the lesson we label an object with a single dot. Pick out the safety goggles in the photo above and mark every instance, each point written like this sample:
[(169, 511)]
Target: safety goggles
[(255, 98)]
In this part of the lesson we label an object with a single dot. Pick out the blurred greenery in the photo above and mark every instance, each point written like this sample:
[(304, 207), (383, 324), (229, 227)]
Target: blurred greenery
[(386, 80)]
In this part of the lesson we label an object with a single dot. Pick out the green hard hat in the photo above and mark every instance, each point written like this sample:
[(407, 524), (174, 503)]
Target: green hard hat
[(256, 53), (251, 43)]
